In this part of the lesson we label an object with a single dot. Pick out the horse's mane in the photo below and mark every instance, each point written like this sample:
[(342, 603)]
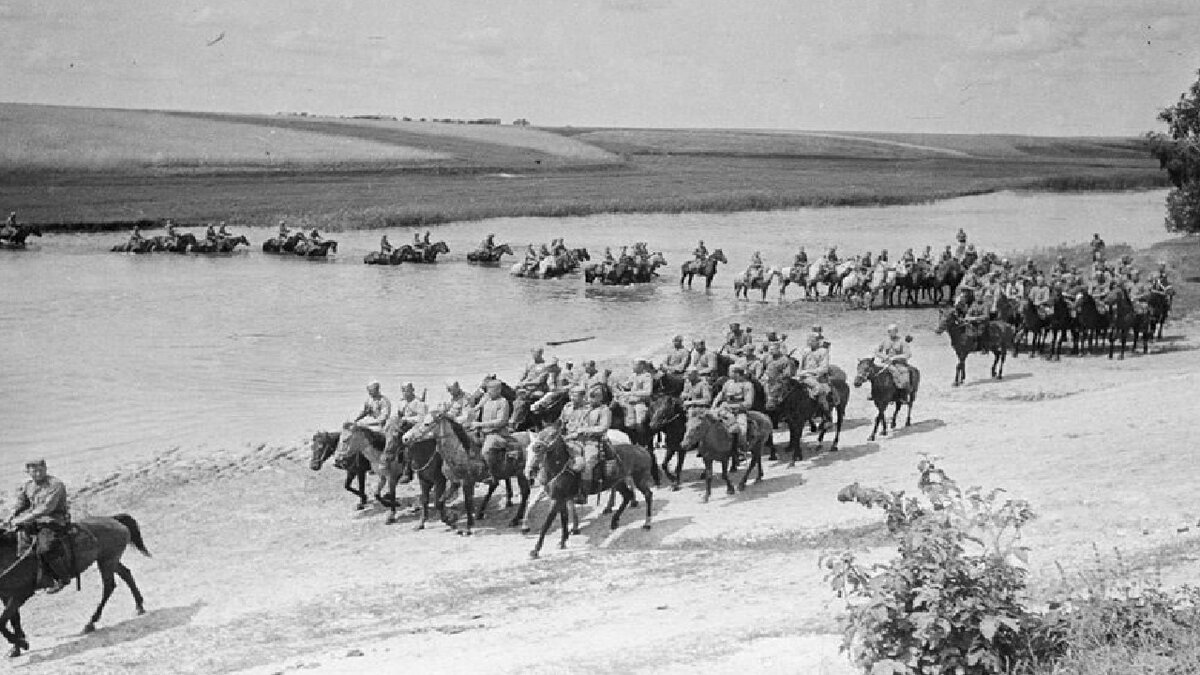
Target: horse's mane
[(461, 434)]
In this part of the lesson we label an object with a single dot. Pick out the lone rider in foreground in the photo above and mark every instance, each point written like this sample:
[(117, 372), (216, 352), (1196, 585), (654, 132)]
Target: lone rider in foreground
[(893, 353), (41, 516)]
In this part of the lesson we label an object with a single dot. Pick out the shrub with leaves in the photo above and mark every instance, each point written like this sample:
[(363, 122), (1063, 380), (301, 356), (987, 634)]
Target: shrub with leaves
[(948, 603)]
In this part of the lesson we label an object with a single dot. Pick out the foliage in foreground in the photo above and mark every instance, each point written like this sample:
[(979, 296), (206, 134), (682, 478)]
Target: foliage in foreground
[(952, 600)]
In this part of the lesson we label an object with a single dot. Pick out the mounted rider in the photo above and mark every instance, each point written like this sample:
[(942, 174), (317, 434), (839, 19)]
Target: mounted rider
[(211, 235), (10, 226), (42, 517), (756, 270), (697, 394), (1041, 297), (733, 403), (136, 238), (736, 338), (961, 249), (706, 362), (677, 361), (588, 439), (636, 397), (777, 366), (488, 243), (700, 253), (373, 417), (535, 379), (801, 259), (385, 246), (1098, 246), (494, 414), (1160, 282), (893, 353), (749, 361), (284, 232), (459, 408), (947, 254), (813, 372)]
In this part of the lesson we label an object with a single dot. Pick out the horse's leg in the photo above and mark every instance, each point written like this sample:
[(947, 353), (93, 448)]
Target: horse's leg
[(679, 455), (626, 497), (127, 577), (468, 490), (562, 519), (541, 493), (896, 412), (523, 486), (361, 492), (574, 511), (795, 438), (837, 433), (11, 613), (612, 499), (725, 476), (492, 485), (554, 511), (708, 476), (666, 465), (996, 363), (508, 494), (107, 567)]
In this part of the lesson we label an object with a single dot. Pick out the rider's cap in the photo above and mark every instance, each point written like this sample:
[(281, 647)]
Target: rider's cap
[(494, 384), (817, 329), (372, 384), (893, 327), (735, 325), (450, 384), (35, 462), (642, 359), (408, 386), (677, 338)]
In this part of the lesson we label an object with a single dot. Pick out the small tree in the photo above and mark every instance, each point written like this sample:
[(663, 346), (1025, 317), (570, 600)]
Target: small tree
[(1178, 151), (949, 603)]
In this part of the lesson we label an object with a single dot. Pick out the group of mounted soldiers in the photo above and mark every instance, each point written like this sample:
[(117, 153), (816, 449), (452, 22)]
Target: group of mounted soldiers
[(553, 258), (726, 381)]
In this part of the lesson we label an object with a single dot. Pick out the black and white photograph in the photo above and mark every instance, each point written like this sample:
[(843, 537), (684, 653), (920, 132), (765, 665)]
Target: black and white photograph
[(599, 336)]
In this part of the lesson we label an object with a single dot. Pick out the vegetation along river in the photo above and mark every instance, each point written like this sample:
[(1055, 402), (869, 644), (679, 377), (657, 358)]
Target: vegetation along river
[(113, 357)]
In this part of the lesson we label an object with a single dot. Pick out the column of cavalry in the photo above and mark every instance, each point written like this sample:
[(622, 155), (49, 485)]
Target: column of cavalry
[(578, 432)]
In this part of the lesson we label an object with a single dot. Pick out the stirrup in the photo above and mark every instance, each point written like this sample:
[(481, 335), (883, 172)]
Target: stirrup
[(59, 584)]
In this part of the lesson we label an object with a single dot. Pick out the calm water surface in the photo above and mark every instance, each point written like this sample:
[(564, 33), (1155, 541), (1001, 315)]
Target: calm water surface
[(111, 357)]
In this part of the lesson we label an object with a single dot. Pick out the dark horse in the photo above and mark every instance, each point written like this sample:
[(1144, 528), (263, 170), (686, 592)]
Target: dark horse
[(549, 450), (17, 239), (885, 392), (1125, 319), (492, 256), (669, 418), (318, 250), (788, 398), (1090, 323), (426, 254), (947, 274), (706, 269), (324, 444), (993, 336), (97, 540)]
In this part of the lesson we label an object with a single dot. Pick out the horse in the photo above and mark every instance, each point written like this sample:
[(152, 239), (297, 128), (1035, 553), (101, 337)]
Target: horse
[(916, 280), (1091, 323), (324, 444), (742, 284), (706, 269), (287, 245), (826, 274), (631, 464), (427, 254), (380, 258), (1059, 324), (669, 418), (884, 392), (882, 286), (948, 273), (426, 462), (489, 256), (788, 398), (221, 245), (856, 289), (1160, 307), (1031, 323), (993, 336), (373, 447), (796, 274), (318, 250), (713, 442), (141, 246), (17, 239), (1125, 319), (525, 418), (99, 540)]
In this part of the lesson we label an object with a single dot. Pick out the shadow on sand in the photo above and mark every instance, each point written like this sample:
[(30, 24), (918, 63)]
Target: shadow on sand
[(992, 380), (153, 621)]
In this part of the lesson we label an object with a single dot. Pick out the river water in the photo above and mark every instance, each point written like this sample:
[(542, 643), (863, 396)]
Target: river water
[(113, 357)]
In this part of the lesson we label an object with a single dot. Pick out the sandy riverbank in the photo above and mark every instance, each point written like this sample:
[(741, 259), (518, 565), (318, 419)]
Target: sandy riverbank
[(262, 565)]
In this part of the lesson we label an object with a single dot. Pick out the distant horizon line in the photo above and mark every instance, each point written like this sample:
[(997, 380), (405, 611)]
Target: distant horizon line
[(532, 123)]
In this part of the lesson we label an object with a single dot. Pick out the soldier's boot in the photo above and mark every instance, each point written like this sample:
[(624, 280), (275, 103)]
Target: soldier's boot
[(585, 488), (58, 578), (735, 443), (408, 473)]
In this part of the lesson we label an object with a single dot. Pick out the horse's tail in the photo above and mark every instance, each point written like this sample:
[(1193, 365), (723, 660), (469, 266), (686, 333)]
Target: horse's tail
[(135, 532)]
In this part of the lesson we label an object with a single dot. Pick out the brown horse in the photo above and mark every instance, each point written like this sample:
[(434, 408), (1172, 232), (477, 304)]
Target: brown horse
[(98, 540), (788, 399), (742, 285), (426, 254), (993, 336), (324, 445), (706, 269), (1125, 319), (713, 442), (319, 250), (549, 451), (492, 256), (371, 445), (17, 239), (885, 392)]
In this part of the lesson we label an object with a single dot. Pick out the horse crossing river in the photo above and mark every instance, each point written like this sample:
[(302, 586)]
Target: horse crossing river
[(110, 358)]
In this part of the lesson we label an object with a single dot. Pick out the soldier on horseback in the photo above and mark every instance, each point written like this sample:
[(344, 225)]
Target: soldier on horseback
[(893, 353), (459, 407), (136, 239), (1161, 281), (638, 389), (41, 517), (701, 253), (493, 422), (754, 366), (735, 399), (373, 416), (385, 246), (587, 439), (10, 226), (1097, 247), (801, 258), (704, 360), (535, 380), (961, 249), (814, 372), (778, 365), (756, 270), (697, 395), (1041, 297), (677, 361), (736, 338)]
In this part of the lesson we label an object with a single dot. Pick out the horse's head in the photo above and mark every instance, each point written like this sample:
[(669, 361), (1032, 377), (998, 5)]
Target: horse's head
[(657, 259), (240, 239), (719, 256), (947, 319), (440, 247), (663, 411), (581, 254), (540, 443), (776, 390), (423, 430), (324, 444), (697, 427), (866, 370), (332, 245), (503, 249)]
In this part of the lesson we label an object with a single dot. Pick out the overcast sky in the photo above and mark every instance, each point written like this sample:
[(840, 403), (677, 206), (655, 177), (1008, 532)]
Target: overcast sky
[(1067, 67)]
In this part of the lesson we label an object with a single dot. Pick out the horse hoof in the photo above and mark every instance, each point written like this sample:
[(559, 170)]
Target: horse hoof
[(675, 487), (606, 511), (730, 491), (613, 525), (704, 499), (646, 526), (514, 522), (90, 628), (633, 502), (464, 533), (390, 520), (419, 527), (482, 515), (14, 652), (140, 610), (524, 530), (533, 554), (577, 531)]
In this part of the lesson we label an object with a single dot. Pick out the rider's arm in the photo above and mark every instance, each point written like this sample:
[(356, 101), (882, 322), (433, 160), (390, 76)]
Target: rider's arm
[(600, 427), (500, 421), (748, 399), (22, 503)]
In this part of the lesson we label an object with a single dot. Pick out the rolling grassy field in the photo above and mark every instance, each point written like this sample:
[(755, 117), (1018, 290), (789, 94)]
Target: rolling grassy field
[(79, 168)]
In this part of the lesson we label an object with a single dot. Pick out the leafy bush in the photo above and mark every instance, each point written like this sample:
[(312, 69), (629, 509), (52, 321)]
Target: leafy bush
[(949, 602)]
